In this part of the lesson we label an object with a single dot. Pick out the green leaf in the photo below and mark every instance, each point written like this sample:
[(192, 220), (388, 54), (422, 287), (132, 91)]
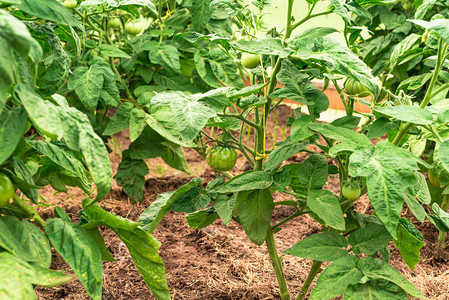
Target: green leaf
[(443, 154), (402, 49), (224, 207), (58, 70), (50, 278), (152, 215), (87, 83), (120, 120), (201, 218), (409, 241), (336, 55), (96, 235), (349, 122), (44, 114), (440, 219), (253, 209), (349, 136), (282, 152), (201, 12), (313, 172), (131, 176), (63, 158), (193, 200), (137, 123), (374, 268), (267, 45), (333, 281), (369, 240), (80, 136), (300, 128), (375, 289), (24, 179), (250, 180), (12, 125), (440, 26), (423, 8), (80, 252), (165, 55), (142, 247), (246, 91), (407, 113), (17, 278), (380, 127), (113, 51), (25, 241), (418, 192), (326, 246), (49, 10), (299, 88), (190, 115), (325, 204), (174, 156), (389, 170)]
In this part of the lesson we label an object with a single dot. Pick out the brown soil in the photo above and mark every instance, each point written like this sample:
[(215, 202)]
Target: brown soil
[(218, 262)]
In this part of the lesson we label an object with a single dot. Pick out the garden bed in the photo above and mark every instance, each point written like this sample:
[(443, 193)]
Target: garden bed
[(219, 262)]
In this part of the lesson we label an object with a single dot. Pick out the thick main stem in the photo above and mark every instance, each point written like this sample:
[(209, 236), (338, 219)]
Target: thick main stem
[(276, 262), (442, 235), (314, 270)]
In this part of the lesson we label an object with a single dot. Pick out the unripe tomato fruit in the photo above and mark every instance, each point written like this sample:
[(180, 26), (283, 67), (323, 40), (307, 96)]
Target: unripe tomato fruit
[(355, 88), (114, 23), (407, 6), (70, 4), (433, 177), (250, 61), (133, 27), (6, 190), (351, 190), (221, 158)]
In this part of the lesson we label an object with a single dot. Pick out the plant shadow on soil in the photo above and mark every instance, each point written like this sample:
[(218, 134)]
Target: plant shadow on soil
[(219, 262)]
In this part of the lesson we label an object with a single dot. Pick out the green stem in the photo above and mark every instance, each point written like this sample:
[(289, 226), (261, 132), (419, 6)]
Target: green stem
[(30, 211), (442, 235), (291, 217), (314, 270), (442, 47), (241, 118), (276, 262)]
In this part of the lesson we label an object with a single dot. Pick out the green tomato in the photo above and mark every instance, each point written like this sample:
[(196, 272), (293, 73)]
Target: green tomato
[(250, 61), (355, 88), (6, 190), (221, 159), (134, 27), (114, 23), (434, 177), (351, 190), (70, 4), (407, 6)]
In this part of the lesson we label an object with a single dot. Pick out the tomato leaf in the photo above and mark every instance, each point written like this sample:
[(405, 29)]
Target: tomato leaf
[(389, 170), (254, 212), (333, 281), (80, 252), (326, 246)]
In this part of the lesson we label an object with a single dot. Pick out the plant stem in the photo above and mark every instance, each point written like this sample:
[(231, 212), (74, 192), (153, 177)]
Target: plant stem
[(276, 262), (442, 235), (442, 47), (314, 270), (30, 211)]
